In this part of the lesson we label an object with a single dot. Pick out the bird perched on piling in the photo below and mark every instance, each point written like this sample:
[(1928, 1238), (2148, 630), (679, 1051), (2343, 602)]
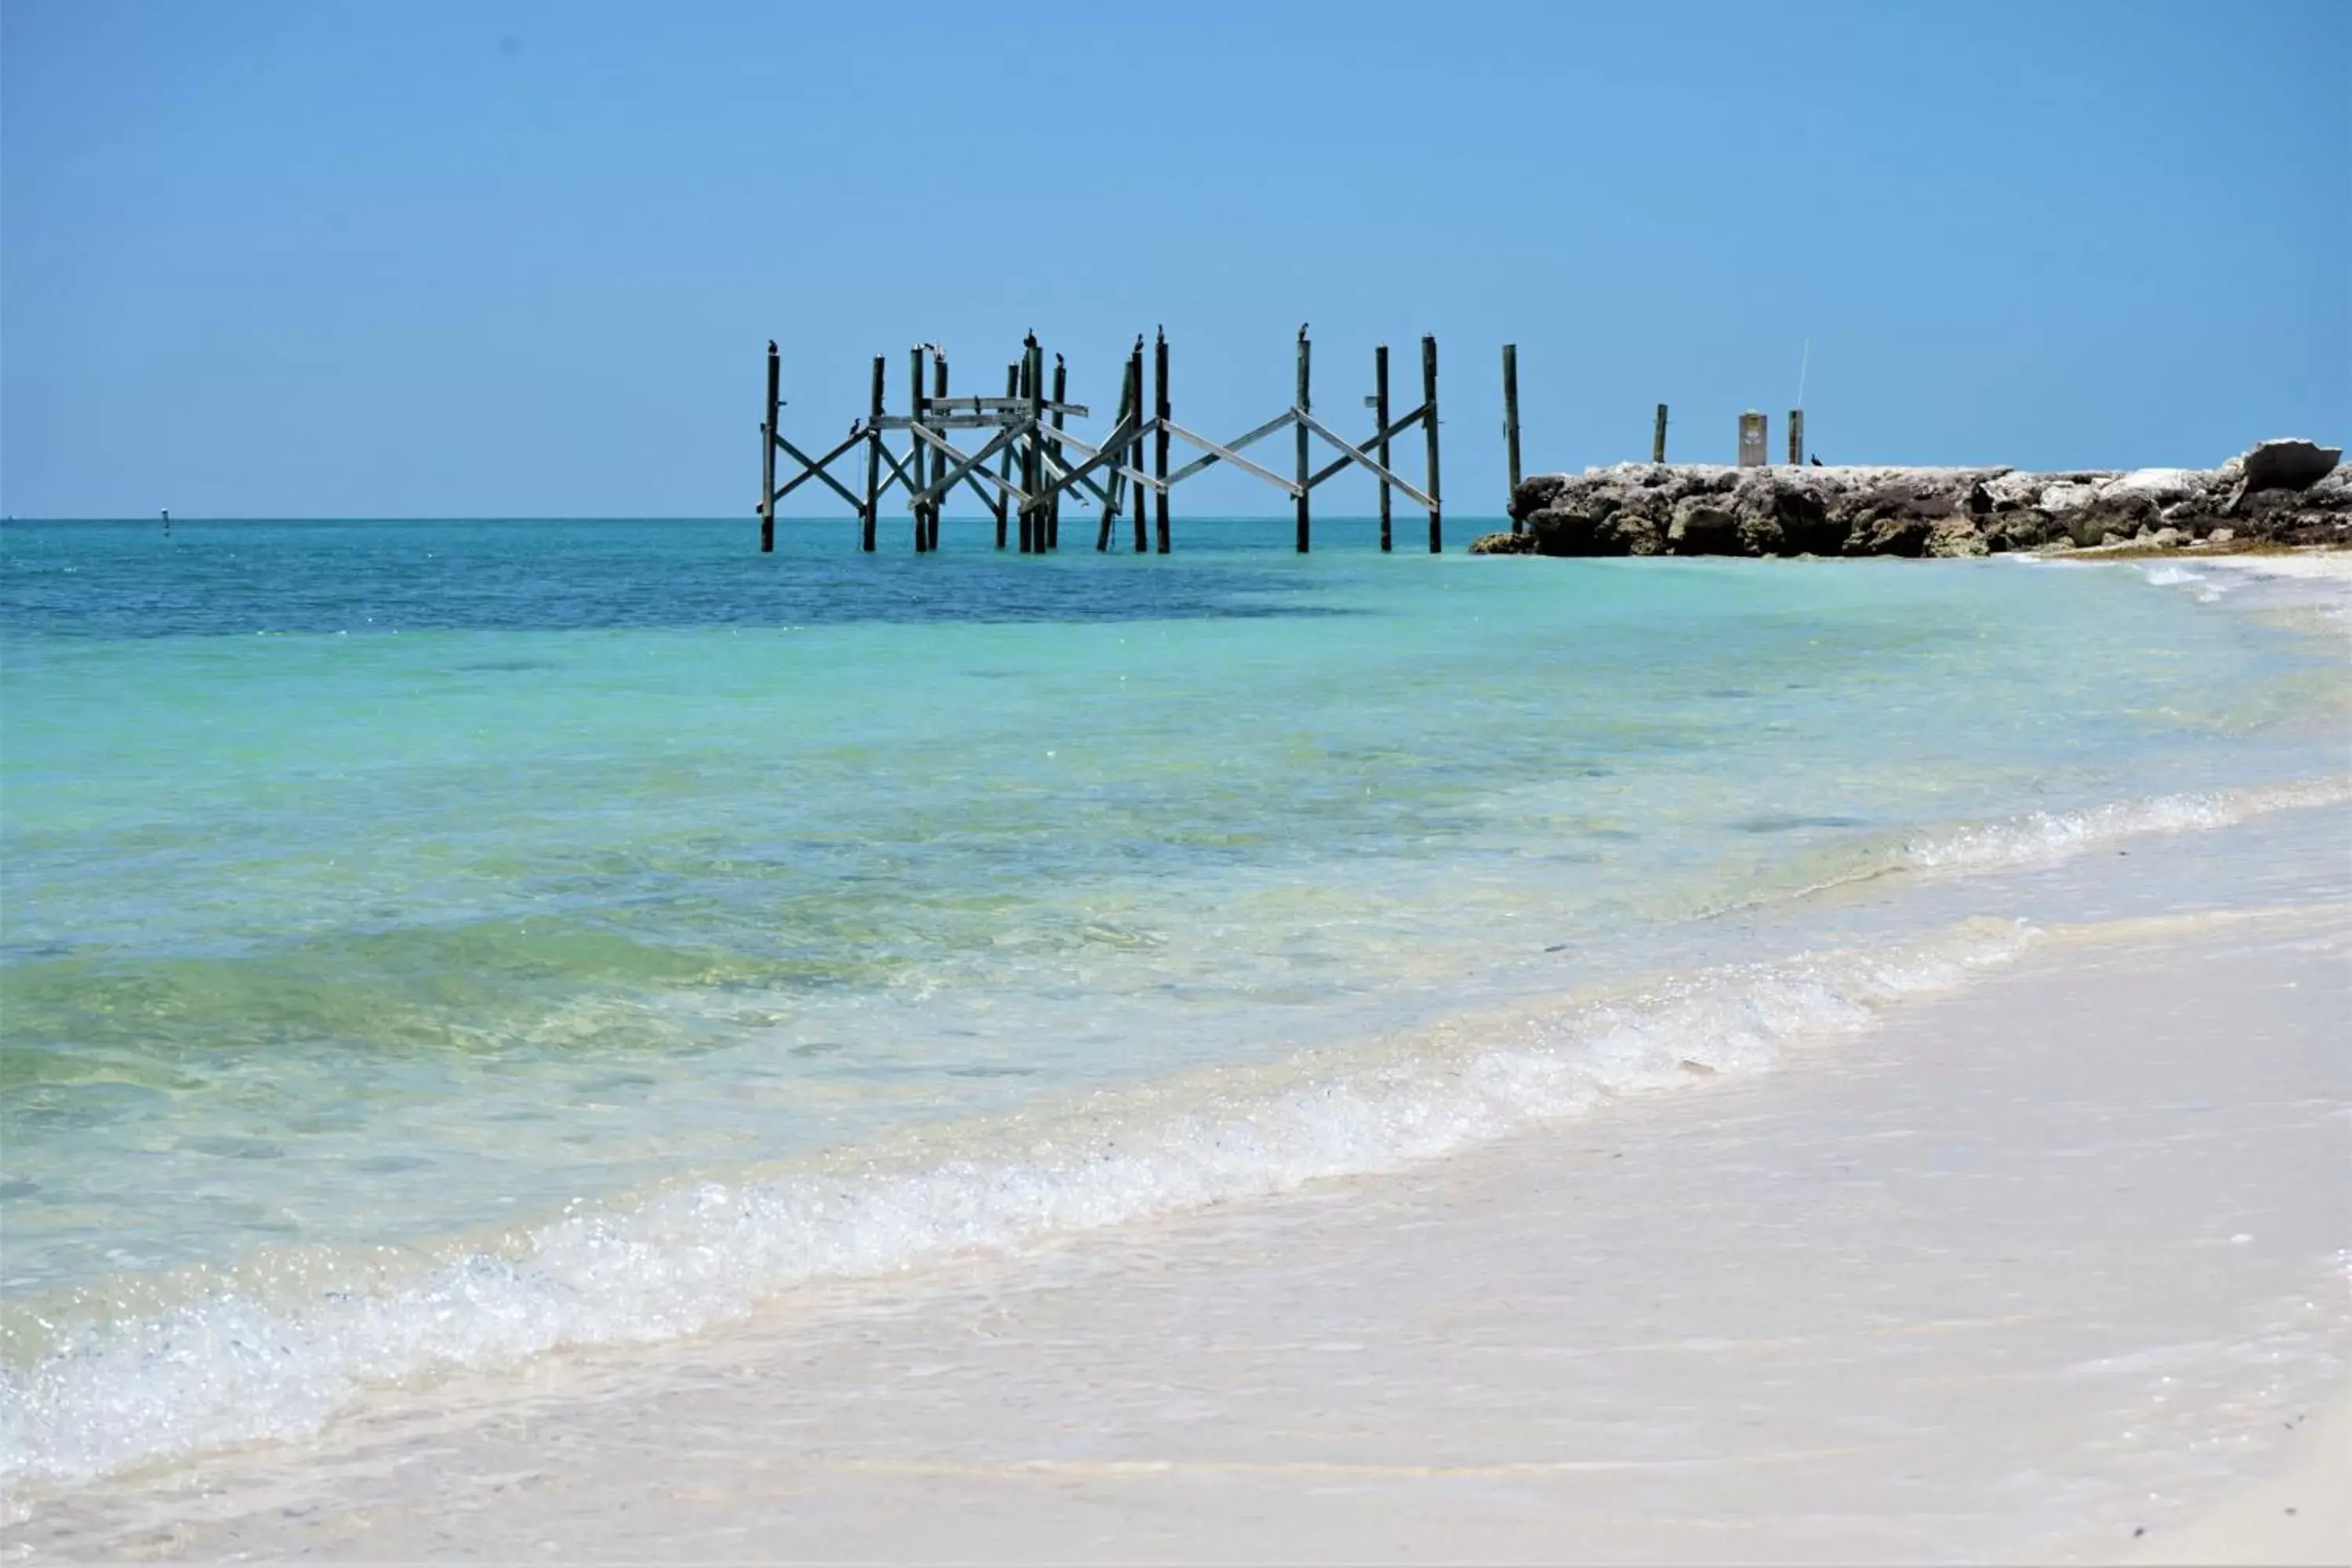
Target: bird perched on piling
[(1302, 331)]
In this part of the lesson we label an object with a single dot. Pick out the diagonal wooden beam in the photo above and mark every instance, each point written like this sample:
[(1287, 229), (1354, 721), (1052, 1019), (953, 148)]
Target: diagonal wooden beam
[(814, 468), (1232, 454), (1354, 455), (966, 465)]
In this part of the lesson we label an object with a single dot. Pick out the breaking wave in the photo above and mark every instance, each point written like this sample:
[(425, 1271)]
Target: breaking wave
[(275, 1357)]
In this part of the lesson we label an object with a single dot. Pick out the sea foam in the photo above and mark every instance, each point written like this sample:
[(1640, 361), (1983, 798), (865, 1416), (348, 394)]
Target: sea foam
[(237, 1365), (2042, 837)]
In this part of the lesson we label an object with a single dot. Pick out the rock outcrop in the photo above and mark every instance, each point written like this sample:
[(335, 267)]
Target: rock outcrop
[(2290, 493)]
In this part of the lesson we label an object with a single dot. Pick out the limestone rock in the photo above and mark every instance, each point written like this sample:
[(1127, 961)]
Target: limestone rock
[(1699, 509), (2287, 464)]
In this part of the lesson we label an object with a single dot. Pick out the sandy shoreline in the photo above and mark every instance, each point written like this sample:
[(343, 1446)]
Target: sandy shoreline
[(2035, 1265)]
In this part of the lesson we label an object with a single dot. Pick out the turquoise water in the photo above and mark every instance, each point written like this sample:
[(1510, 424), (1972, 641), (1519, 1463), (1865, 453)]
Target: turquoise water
[(381, 899)]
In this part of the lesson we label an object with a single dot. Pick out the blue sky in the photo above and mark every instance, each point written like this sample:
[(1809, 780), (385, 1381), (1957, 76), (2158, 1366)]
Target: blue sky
[(263, 260)]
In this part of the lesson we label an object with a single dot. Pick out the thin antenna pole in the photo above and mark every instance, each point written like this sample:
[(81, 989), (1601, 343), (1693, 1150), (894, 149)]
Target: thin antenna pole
[(1804, 363)]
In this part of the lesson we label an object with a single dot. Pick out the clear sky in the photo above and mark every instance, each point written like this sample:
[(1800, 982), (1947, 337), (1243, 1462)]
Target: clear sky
[(522, 259)]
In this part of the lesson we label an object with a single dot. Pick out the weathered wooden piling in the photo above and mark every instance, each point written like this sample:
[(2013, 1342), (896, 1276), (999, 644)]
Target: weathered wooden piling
[(872, 459), (939, 458), (1796, 438), (1304, 405), (1028, 393), (1511, 428), (915, 442), (1053, 501), (1380, 419), (1004, 463), (1127, 401), (1429, 428), (1160, 409), (1135, 453), (1658, 436), (766, 457)]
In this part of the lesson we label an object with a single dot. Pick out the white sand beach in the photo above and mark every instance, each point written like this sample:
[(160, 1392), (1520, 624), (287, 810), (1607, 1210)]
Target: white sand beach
[(2049, 1268)]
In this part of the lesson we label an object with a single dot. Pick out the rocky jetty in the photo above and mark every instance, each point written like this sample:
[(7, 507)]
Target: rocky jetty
[(2285, 493)]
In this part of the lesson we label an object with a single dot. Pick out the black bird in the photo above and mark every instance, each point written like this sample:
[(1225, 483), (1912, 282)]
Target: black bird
[(857, 424), (1302, 331), (772, 345), (1817, 460)]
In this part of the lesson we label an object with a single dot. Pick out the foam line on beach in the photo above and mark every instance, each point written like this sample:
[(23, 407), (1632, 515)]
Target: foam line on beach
[(246, 1363), (2039, 838)]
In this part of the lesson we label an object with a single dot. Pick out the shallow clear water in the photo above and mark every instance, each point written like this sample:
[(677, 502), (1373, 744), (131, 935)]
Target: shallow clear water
[(378, 895)]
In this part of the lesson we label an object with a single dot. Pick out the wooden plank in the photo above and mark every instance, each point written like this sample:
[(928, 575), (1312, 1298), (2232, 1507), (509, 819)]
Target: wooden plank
[(1013, 405), (952, 421), (816, 468), (1658, 436), (1355, 455), (1065, 477), (1228, 455), (977, 462)]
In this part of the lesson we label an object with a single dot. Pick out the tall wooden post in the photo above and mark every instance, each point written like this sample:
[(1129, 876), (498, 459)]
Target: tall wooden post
[(1159, 406), (1511, 426), (1110, 475), (1135, 453), (1037, 442), (1054, 504), (1302, 404), (873, 459), (1429, 427), (1658, 436), (1796, 438), (1029, 543), (915, 409), (767, 458), (1005, 462), (1381, 418), (938, 458)]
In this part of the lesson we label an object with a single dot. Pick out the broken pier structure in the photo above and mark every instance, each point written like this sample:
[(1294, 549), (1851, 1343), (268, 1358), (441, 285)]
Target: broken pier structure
[(1030, 458)]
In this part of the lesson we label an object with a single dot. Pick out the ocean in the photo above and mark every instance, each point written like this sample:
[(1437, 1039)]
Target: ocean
[(432, 944)]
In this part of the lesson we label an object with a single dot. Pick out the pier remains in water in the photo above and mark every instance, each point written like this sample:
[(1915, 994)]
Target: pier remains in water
[(1030, 438)]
